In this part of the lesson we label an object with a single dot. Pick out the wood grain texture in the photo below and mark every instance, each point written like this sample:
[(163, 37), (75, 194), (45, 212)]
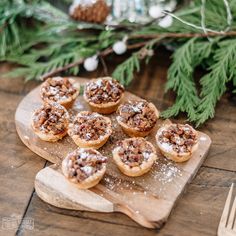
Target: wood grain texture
[(197, 213), (17, 167), (147, 199)]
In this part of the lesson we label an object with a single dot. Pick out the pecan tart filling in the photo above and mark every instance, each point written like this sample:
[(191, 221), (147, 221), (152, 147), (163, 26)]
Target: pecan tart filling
[(137, 118), (50, 122), (134, 156), (90, 129), (103, 94), (84, 167), (177, 142), (61, 90)]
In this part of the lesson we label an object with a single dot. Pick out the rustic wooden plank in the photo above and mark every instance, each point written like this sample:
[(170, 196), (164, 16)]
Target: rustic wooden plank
[(197, 213), (17, 168), (222, 129)]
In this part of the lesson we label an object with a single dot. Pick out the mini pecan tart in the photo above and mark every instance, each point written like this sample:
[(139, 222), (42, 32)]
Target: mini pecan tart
[(103, 95), (177, 142), (134, 156), (84, 167), (137, 118), (50, 122), (90, 129), (61, 90)]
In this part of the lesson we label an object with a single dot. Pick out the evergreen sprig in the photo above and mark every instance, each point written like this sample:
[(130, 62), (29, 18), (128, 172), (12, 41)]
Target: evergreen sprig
[(214, 83), (125, 71), (180, 77)]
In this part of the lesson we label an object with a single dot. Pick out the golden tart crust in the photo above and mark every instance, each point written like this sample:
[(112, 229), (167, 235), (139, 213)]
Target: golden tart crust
[(177, 142), (137, 118), (103, 95), (134, 156), (90, 129), (50, 122), (61, 90), (84, 167)]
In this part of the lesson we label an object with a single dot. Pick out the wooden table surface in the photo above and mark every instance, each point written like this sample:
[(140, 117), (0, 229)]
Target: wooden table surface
[(197, 212)]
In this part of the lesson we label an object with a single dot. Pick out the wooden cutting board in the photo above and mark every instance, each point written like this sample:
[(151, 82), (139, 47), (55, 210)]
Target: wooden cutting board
[(147, 199)]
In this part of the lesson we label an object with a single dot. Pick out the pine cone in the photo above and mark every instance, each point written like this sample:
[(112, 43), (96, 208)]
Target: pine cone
[(95, 12)]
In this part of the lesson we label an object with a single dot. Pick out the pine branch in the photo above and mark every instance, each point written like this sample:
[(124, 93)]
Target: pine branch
[(9, 28), (35, 70), (215, 16), (182, 35), (81, 60), (125, 71), (180, 77), (214, 83), (14, 29)]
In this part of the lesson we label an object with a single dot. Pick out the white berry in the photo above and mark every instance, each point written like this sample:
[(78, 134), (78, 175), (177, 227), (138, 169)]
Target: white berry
[(119, 47), (155, 11), (166, 22), (91, 63)]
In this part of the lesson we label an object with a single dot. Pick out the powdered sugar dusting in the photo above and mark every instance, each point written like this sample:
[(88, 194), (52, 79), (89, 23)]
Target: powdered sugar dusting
[(112, 183), (87, 169), (146, 155), (166, 172), (83, 154), (167, 147), (136, 108), (99, 82)]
